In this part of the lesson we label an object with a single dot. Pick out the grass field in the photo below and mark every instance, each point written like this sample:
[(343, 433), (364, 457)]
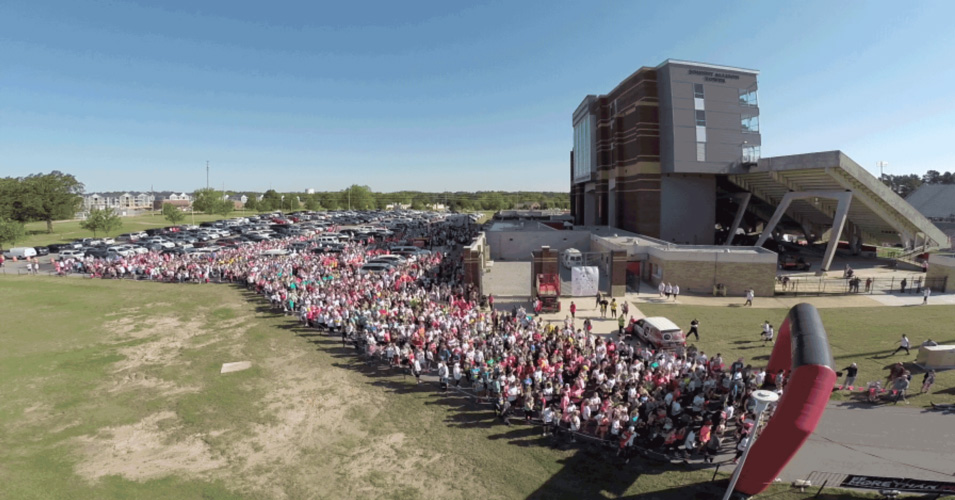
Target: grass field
[(70, 230), (866, 336), (111, 389)]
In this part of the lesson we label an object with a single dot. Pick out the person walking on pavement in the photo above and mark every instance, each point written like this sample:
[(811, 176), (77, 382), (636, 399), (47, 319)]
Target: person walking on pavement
[(621, 321), (925, 295), (749, 297), (676, 291), (694, 329), (903, 344), (613, 308), (573, 310)]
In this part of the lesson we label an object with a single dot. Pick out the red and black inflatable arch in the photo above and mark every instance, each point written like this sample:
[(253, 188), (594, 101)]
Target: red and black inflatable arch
[(802, 352)]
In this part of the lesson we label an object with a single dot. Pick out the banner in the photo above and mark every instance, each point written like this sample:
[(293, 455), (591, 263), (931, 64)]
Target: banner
[(585, 281), (898, 483)]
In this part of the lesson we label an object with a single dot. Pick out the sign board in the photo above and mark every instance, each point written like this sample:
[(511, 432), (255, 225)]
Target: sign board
[(584, 281), (898, 483)]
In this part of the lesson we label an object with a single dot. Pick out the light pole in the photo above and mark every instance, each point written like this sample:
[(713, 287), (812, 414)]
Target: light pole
[(763, 399), (881, 165)]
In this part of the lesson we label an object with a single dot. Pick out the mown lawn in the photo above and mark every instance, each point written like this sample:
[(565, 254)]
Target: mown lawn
[(866, 336), (112, 389)]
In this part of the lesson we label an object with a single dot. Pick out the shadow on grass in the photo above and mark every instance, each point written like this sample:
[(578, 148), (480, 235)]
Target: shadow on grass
[(592, 471)]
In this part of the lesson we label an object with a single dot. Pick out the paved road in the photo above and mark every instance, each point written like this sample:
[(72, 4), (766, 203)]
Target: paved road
[(896, 441)]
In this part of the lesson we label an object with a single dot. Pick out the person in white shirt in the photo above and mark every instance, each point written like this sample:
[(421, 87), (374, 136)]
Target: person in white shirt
[(903, 345), (749, 297), (676, 291), (548, 417)]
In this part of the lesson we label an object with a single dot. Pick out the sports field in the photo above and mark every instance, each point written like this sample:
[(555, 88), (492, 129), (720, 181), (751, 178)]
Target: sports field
[(111, 389), (863, 335)]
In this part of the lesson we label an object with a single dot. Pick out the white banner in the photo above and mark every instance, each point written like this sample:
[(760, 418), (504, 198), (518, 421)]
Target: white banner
[(584, 281)]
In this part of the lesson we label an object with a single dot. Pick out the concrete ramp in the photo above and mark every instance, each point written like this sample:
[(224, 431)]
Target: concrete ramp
[(876, 213)]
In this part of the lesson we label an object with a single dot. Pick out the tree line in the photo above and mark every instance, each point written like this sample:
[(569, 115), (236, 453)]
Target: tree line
[(904, 185), (357, 197)]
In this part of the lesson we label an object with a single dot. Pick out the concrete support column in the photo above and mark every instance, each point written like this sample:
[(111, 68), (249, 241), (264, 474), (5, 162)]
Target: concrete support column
[(838, 222), (777, 216), (743, 200)]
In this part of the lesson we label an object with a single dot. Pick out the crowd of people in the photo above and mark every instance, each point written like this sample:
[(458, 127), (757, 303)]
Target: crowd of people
[(423, 318)]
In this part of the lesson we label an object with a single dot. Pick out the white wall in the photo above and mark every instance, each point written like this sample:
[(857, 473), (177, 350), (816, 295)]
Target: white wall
[(518, 245)]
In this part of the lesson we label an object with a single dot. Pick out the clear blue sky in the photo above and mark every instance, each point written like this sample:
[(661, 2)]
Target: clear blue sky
[(439, 95)]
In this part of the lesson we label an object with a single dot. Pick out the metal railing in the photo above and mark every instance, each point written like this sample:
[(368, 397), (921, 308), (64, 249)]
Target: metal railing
[(907, 285)]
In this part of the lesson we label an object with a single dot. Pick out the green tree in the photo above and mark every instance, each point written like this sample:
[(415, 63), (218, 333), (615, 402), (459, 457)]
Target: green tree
[(358, 197), (105, 220), (271, 200), (224, 207), (47, 197), (331, 201), (172, 213), (11, 231), (903, 185), (211, 202), (312, 203), (251, 204)]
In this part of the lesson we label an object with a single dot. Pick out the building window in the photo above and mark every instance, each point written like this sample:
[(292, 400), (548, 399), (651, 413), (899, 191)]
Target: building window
[(701, 151), (750, 124), (700, 118), (750, 154), (698, 90), (748, 98)]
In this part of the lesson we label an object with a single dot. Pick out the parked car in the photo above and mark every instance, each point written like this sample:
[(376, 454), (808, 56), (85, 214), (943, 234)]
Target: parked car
[(793, 262), (57, 247), (42, 250), (71, 253)]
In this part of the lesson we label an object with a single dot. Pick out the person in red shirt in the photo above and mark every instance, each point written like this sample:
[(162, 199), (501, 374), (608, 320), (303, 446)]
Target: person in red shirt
[(573, 310)]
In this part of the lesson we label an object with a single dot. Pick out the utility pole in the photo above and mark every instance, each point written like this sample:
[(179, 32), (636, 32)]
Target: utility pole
[(207, 174), (881, 165)]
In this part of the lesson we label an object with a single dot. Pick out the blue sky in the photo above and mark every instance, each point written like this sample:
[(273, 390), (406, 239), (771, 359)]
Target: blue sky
[(439, 95)]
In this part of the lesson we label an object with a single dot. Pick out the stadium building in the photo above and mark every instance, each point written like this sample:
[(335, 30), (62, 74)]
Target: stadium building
[(673, 153)]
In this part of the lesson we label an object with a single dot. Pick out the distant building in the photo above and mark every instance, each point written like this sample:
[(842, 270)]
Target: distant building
[(122, 201), (309, 191)]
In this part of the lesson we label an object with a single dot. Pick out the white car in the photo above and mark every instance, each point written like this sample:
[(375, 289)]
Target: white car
[(70, 254)]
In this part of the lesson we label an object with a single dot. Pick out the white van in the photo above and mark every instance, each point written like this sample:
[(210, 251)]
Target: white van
[(20, 253), (571, 258)]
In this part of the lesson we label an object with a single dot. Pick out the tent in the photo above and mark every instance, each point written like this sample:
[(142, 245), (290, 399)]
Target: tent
[(936, 357)]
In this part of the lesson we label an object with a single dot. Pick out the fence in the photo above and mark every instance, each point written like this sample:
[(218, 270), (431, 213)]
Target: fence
[(913, 285)]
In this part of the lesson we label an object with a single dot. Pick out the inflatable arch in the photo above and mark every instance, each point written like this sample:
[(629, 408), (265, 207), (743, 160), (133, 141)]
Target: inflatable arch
[(802, 352)]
